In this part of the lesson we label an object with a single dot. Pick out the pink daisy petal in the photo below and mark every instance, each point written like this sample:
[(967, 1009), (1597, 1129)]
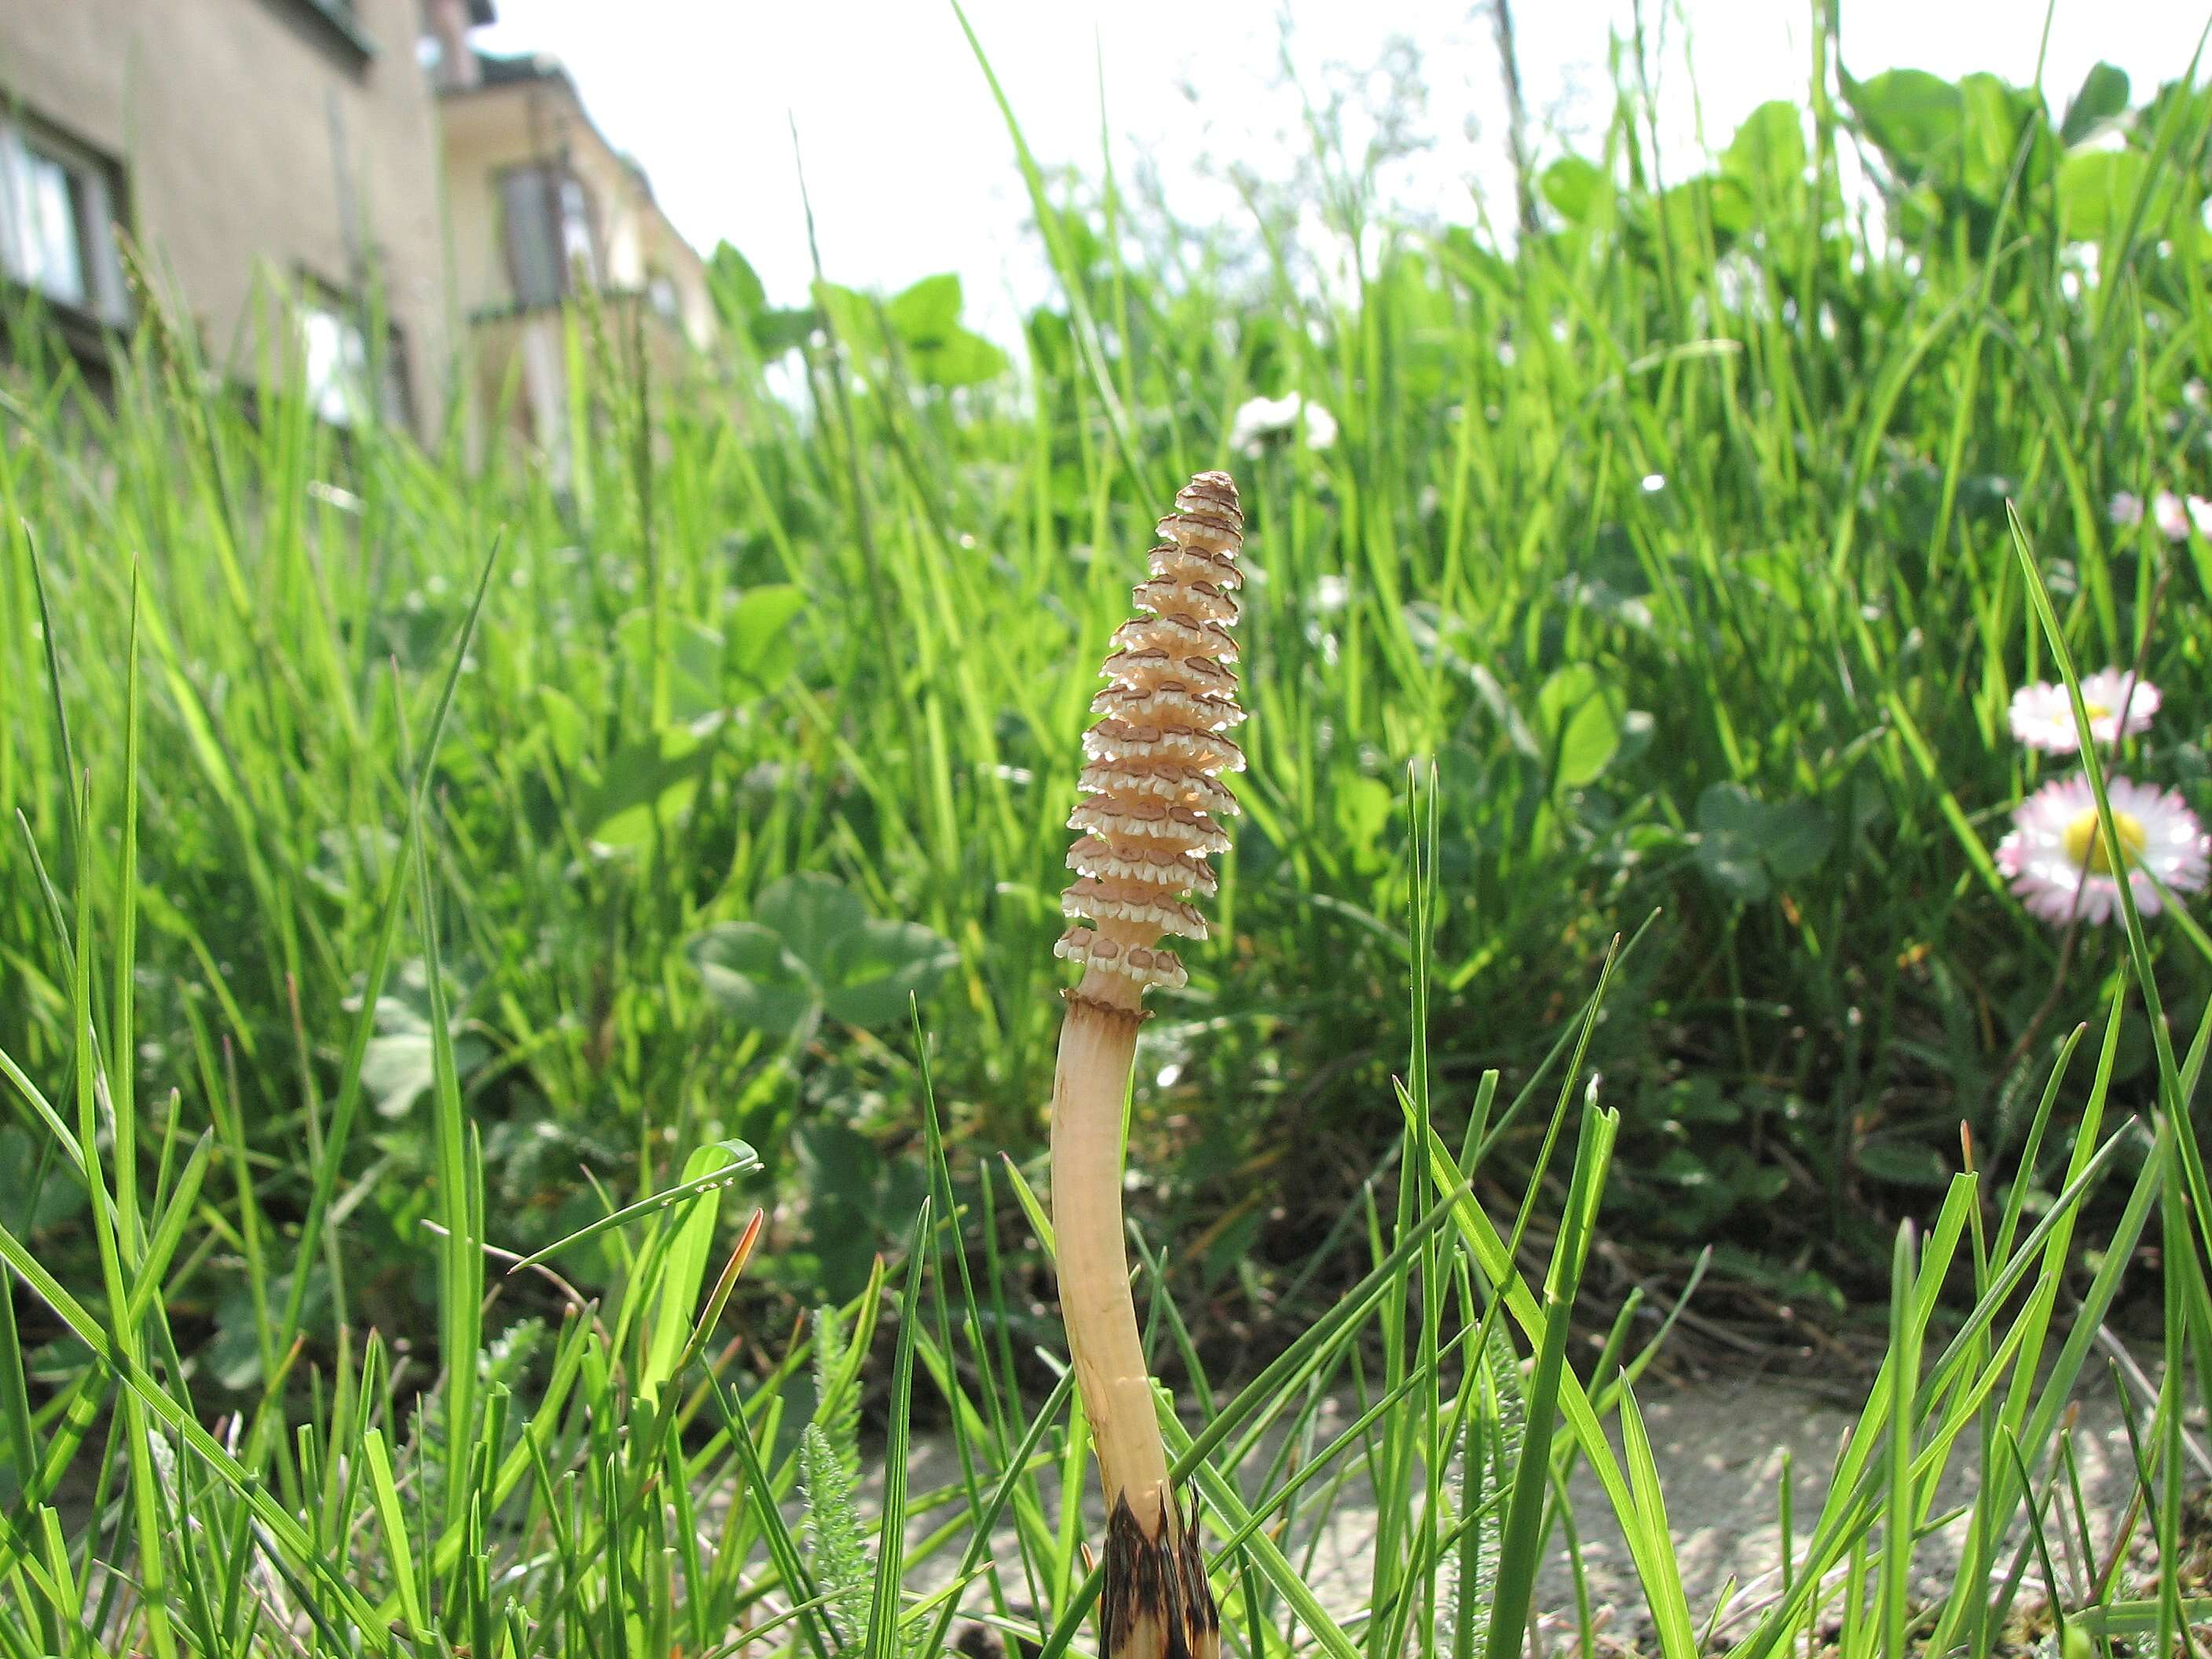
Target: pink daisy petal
[(2042, 715), (2052, 861), (2171, 514)]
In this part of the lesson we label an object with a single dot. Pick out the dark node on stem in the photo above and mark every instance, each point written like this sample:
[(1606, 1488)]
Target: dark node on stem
[(1106, 1011), (1155, 1602)]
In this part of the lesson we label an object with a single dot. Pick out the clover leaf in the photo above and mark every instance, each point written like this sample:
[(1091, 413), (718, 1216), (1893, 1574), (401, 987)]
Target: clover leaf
[(746, 969), (1745, 846), (396, 1066), (812, 951)]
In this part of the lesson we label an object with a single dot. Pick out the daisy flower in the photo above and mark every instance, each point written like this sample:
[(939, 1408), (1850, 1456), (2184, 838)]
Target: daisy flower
[(2056, 860), (2126, 508), (1260, 421), (2043, 718), (2171, 514)]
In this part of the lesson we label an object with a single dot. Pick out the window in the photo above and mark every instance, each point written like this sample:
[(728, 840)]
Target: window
[(660, 294), (335, 361), (57, 209), (550, 244), (340, 21), (342, 384)]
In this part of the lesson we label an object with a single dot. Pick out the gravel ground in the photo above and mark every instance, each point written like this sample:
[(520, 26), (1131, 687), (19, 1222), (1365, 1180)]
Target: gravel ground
[(1720, 1446)]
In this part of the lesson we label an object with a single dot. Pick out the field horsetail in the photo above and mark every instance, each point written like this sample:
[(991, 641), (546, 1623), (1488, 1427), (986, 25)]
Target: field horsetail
[(1151, 813)]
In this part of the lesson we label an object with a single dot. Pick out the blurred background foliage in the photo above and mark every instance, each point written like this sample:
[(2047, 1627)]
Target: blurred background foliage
[(1670, 530)]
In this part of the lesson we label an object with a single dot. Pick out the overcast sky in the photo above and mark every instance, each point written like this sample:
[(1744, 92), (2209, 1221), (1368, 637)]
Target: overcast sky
[(911, 170)]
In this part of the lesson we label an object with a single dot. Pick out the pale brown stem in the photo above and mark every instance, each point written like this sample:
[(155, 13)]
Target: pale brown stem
[(1097, 1043), (1150, 816)]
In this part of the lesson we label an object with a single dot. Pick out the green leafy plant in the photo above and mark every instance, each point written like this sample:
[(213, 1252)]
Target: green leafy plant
[(1673, 528), (1747, 845), (813, 952)]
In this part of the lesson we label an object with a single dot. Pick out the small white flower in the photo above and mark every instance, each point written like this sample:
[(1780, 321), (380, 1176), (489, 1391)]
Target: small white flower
[(2200, 515), (1259, 418), (2056, 853), (1263, 420), (2043, 716), (2126, 508), (2171, 514)]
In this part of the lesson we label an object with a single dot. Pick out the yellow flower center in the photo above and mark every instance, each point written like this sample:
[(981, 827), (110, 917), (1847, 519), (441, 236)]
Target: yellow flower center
[(2085, 848), (2097, 710)]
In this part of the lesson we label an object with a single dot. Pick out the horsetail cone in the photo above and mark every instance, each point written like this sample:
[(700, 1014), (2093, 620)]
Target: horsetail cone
[(1151, 816)]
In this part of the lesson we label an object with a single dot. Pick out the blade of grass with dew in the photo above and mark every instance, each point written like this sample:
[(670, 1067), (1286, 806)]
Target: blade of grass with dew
[(347, 1105), (2138, 946), (884, 1616), (1900, 1506), (1518, 1557)]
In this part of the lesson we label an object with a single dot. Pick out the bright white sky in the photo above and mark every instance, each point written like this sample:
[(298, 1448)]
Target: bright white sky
[(911, 170)]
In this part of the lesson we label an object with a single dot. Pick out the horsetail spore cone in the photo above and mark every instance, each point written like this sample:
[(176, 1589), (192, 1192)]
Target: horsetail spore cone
[(1151, 814)]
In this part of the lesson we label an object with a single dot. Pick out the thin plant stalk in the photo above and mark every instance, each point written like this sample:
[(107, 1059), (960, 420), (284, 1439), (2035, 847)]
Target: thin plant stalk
[(1151, 817)]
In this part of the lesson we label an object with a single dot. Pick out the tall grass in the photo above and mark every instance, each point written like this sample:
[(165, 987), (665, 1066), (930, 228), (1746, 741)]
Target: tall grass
[(618, 1480), (1674, 535), (360, 933)]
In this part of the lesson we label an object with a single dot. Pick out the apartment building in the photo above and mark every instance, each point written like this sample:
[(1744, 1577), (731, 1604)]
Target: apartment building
[(276, 161), (349, 181), (545, 209)]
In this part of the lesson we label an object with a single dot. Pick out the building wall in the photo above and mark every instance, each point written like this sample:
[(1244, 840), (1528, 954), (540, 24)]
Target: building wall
[(518, 363), (242, 127), (492, 128)]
